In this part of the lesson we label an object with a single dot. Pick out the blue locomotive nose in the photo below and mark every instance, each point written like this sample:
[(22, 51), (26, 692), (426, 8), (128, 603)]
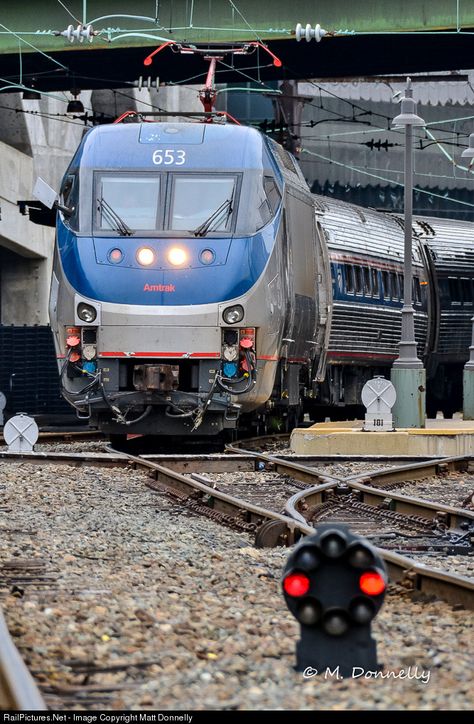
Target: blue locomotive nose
[(169, 214), (91, 270)]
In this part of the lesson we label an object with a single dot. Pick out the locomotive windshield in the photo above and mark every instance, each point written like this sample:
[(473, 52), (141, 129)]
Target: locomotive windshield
[(184, 203), (133, 199), (172, 202), (197, 199)]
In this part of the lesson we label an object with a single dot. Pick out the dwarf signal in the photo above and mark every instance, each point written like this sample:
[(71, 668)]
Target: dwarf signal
[(334, 585)]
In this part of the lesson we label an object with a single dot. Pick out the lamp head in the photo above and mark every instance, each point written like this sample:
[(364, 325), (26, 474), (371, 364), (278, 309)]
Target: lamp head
[(75, 105), (408, 115), (469, 151)]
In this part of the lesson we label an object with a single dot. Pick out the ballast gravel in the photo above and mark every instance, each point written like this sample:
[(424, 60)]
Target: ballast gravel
[(118, 598)]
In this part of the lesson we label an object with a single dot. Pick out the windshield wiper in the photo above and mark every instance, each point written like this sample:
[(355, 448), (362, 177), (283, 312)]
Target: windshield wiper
[(113, 219), (203, 228)]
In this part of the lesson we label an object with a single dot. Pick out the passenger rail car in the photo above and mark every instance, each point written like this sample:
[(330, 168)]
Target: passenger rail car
[(197, 280)]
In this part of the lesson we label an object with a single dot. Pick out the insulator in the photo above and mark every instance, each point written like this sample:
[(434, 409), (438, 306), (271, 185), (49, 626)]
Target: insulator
[(308, 32), (80, 33), (87, 32)]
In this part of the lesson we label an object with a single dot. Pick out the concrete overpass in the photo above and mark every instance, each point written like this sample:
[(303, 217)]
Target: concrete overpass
[(373, 36)]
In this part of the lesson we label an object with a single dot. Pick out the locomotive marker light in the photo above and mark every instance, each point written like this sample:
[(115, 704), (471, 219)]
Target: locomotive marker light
[(408, 374), (468, 373), (378, 396), (334, 584)]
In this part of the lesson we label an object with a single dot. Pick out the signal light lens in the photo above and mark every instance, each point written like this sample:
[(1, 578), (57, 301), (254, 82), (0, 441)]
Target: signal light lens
[(296, 584), (333, 545), (207, 256), (335, 623), (145, 256), (115, 256), (372, 583), (362, 610), (177, 256), (86, 312), (360, 557), (308, 560), (309, 612)]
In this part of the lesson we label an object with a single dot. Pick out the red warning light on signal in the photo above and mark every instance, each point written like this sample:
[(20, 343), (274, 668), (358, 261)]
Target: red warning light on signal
[(296, 584), (372, 583)]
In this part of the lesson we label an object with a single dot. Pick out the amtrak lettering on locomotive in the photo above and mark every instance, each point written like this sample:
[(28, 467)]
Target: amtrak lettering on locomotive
[(197, 281)]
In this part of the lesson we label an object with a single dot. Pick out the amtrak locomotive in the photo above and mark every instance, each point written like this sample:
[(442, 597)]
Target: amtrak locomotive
[(197, 283)]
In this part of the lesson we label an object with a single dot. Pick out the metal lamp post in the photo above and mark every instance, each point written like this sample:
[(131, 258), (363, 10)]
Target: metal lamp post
[(408, 375), (468, 375)]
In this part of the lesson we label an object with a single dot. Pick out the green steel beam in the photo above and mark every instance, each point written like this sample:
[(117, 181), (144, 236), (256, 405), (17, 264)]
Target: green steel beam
[(33, 22)]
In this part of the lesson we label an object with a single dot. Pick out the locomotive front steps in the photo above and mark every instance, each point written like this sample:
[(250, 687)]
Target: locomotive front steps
[(443, 438)]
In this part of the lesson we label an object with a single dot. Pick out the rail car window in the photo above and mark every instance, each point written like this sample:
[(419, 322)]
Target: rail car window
[(416, 290), (272, 193), (401, 288), (386, 284), (349, 270), (196, 199), (394, 286), (455, 290), (467, 292), (367, 281), (69, 194), (375, 283), (358, 279), (132, 198)]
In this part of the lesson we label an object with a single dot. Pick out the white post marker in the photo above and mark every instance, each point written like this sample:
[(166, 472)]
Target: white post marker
[(20, 433), (378, 396)]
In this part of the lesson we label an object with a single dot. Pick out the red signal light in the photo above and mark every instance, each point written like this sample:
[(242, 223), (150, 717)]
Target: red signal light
[(372, 583), (296, 584)]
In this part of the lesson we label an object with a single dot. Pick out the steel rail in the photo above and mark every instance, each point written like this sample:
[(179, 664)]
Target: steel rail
[(451, 587), (69, 436), (455, 589), (371, 495), (449, 516), (18, 690), (417, 470)]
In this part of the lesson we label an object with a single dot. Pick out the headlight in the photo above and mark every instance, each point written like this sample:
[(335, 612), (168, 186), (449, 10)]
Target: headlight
[(177, 256), (145, 256), (232, 315), (86, 312)]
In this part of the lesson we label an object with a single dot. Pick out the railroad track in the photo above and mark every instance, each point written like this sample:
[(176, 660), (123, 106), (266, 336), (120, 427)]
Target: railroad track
[(18, 690), (307, 494), (181, 477), (68, 436)]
